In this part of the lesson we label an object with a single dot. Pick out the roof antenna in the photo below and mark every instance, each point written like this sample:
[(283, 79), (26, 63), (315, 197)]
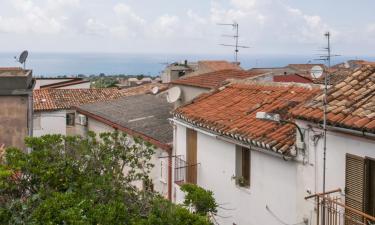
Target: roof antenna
[(22, 58), (235, 36)]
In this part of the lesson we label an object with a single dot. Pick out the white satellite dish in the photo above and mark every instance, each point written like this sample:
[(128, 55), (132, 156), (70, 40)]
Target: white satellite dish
[(316, 71), (173, 94), (155, 90), (347, 65)]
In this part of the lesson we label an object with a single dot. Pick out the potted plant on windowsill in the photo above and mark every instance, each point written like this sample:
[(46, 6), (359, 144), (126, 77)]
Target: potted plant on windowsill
[(240, 181)]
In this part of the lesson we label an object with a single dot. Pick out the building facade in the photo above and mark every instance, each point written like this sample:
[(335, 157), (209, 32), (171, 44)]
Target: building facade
[(16, 87)]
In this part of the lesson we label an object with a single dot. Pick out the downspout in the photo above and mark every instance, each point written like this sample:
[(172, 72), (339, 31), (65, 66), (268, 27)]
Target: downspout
[(170, 175), (30, 112)]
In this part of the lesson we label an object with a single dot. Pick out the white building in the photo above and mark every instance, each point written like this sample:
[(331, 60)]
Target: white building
[(247, 163), (217, 137), (54, 112), (350, 155), (144, 116)]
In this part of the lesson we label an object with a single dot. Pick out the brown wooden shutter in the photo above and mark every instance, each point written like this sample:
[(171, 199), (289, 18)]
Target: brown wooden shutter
[(354, 185), (191, 155), (246, 165)]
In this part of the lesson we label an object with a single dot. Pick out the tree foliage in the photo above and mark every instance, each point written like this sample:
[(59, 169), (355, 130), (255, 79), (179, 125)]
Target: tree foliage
[(75, 180), (201, 200)]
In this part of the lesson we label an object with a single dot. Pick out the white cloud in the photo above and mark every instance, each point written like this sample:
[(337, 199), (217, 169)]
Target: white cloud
[(166, 26)]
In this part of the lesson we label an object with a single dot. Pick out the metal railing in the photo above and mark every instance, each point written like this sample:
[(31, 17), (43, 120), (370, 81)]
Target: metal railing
[(180, 170), (330, 206)]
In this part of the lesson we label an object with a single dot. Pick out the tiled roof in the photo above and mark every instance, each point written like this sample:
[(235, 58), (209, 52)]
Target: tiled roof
[(139, 115), (231, 112), (214, 79), (57, 99), (292, 78), (335, 76), (351, 103)]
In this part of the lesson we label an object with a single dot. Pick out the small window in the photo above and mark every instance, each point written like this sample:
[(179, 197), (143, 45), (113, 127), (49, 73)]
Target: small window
[(243, 168), (163, 170), (70, 117)]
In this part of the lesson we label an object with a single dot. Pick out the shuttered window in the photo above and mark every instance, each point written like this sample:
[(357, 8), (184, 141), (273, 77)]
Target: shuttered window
[(191, 155), (355, 181)]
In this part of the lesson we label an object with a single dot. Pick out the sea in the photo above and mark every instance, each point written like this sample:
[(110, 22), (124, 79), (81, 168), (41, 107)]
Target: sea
[(72, 64)]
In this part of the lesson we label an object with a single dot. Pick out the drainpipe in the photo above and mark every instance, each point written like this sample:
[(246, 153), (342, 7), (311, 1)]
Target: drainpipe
[(170, 175), (30, 113)]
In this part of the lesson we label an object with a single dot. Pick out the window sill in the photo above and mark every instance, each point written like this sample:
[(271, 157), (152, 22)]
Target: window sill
[(163, 181), (244, 189)]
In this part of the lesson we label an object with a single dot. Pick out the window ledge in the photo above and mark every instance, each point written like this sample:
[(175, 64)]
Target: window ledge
[(244, 189)]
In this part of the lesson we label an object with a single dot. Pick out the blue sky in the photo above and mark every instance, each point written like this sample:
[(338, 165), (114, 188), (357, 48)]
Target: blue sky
[(186, 27)]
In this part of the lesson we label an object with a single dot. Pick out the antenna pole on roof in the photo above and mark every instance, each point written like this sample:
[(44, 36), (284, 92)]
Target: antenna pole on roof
[(235, 36), (325, 103)]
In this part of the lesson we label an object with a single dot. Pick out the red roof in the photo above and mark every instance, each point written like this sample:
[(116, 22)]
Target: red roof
[(57, 99), (351, 103), (231, 112), (214, 79), (292, 78)]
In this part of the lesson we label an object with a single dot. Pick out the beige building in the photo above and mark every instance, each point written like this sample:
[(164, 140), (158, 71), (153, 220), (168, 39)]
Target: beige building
[(16, 87)]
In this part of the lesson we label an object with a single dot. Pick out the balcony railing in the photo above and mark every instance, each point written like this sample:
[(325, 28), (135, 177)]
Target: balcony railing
[(180, 170), (330, 206)]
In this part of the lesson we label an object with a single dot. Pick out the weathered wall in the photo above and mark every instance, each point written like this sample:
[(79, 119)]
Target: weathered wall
[(51, 122), (13, 120)]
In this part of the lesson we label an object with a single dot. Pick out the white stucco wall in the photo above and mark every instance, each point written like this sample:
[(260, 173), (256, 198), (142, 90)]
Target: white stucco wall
[(40, 82), (273, 182), (160, 185), (338, 145), (51, 122), (77, 86), (188, 93)]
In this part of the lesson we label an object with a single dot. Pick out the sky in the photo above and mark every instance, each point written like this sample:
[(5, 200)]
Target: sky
[(286, 27)]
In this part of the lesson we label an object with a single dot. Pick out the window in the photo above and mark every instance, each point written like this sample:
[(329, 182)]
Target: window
[(191, 155), (70, 117), (360, 184), (163, 169), (243, 166)]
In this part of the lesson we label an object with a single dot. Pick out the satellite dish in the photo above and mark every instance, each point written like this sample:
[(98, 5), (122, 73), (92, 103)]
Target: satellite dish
[(22, 58), (316, 71), (347, 65), (173, 94), (155, 90)]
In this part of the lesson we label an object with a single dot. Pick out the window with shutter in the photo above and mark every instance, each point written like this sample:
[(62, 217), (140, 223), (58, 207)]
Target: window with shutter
[(354, 185), (191, 155)]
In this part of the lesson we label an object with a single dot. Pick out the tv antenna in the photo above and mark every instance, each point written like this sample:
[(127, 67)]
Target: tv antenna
[(235, 36), (22, 58), (327, 57)]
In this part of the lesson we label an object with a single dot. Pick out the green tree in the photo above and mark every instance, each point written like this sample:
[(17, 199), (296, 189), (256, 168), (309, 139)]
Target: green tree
[(76, 180)]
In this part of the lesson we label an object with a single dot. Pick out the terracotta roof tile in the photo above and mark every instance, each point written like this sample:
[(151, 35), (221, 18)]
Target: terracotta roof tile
[(57, 99), (231, 112), (214, 79), (351, 103)]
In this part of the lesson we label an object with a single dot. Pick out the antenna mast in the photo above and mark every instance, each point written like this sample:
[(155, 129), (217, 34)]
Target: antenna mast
[(327, 58), (235, 36)]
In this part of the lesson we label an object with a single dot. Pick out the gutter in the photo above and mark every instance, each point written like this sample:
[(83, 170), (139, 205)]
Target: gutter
[(353, 132)]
